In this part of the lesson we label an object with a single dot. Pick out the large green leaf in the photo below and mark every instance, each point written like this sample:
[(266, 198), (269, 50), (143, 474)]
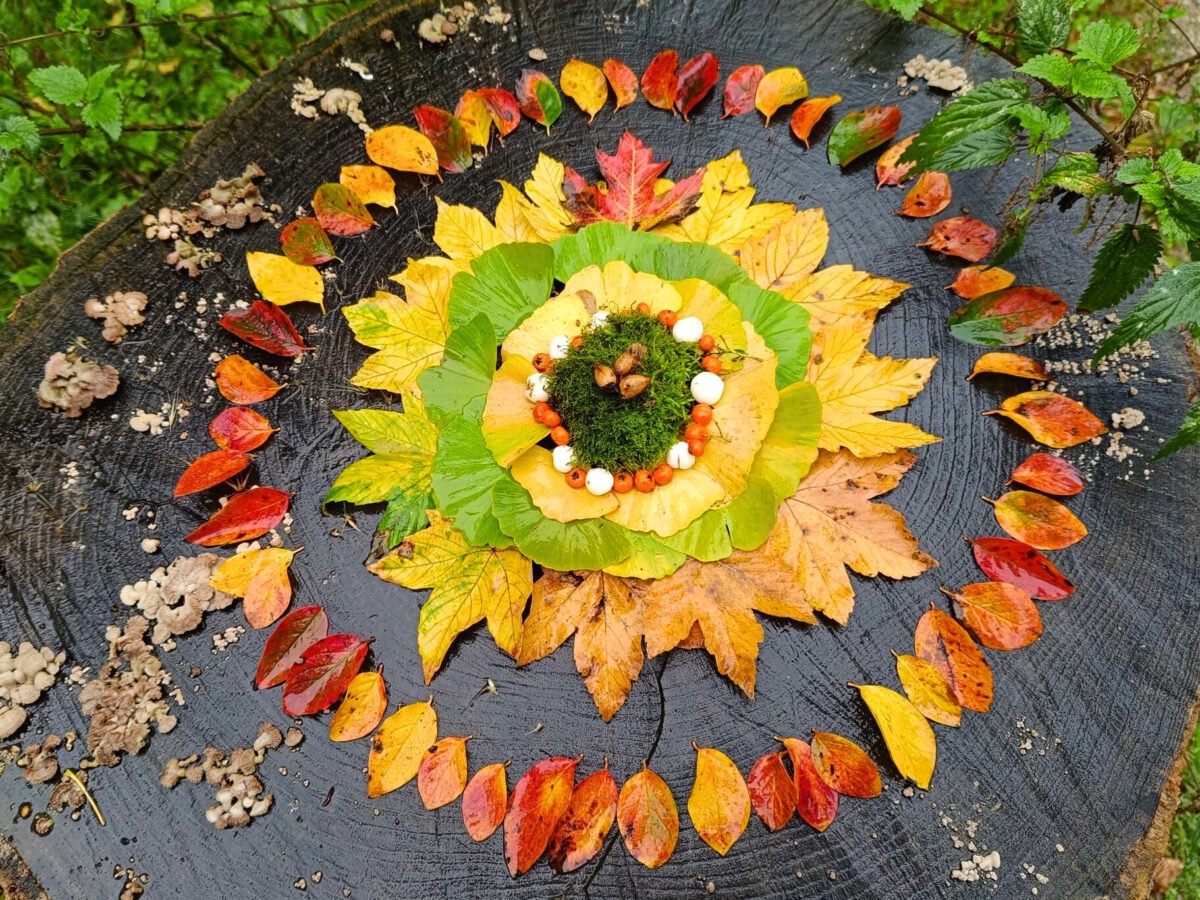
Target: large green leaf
[(649, 558), (1187, 436), (1123, 263), (975, 130), (465, 372), (1172, 301), (1106, 42), (1042, 24), (505, 284), (464, 475), (790, 447), (585, 544)]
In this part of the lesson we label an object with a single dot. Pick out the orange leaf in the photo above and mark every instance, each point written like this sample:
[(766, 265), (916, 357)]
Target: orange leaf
[(261, 578), (945, 644), (928, 197), (648, 818), (816, 801), (623, 80), (889, 171), (1051, 419), (247, 515), (240, 381), (362, 708), (1049, 474), (1038, 521), (927, 690), (740, 89), (472, 110), (210, 470), (442, 775), (1002, 616), (403, 149), (961, 236), (719, 805), (809, 113), (588, 819), (1007, 318), (538, 803), (660, 81), (371, 184), (975, 281), (772, 790), (239, 428), (485, 800), (1000, 363), (845, 766)]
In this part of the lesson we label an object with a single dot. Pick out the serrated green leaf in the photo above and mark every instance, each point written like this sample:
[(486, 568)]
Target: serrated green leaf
[(975, 130), (1172, 301), (60, 84), (1049, 67), (1187, 436), (905, 8), (1042, 24), (97, 80), (1136, 171), (1174, 165), (1078, 172), (1090, 80), (104, 113), (19, 133), (1106, 42), (386, 431), (1043, 123), (1122, 264)]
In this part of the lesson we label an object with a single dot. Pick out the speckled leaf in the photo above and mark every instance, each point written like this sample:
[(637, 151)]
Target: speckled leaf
[(648, 818), (1002, 616), (929, 196), (660, 81), (926, 687), (1038, 521), (472, 110), (403, 149), (861, 132), (740, 88), (442, 775), (539, 801), (816, 802), (623, 81), (282, 281), (305, 242), (1049, 474), (586, 85), (504, 109), (371, 184), (963, 237), (362, 709), (1015, 562), (719, 805), (1007, 318), (586, 823), (339, 211), (889, 171), (845, 766), (448, 136), (975, 281), (1051, 419), (399, 746), (945, 645)]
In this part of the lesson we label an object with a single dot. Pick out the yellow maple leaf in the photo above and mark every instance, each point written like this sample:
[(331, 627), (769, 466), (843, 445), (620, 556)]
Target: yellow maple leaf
[(469, 584), (282, 281), (840, 291), (463, 233), (789, 251), (853, 385)]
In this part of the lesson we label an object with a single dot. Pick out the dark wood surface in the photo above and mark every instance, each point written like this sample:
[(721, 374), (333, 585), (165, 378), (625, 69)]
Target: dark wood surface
[(1109, 688)]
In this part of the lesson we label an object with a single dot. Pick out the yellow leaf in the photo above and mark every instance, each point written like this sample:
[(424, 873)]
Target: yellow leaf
[(261, 578), (512, 217), (586, 85), (399, 746), (463, 233), (670, 507), (617, 285), (403, 149), (721, 318), (371, 184), (788, 252), (841, 291), (719, 805), (282, 281), (909, 739), (777, 89), (508, 426), (469, 584), (549, 216), (927, 689), (472, 111), (534, 470), (563, 314), (361, 709)]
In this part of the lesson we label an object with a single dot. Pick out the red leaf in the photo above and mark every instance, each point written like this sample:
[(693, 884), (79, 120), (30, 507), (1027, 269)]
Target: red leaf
[(239, 428), (1049, 474), (305, 242), (1017, 563), (584, 826), (448, 136), (928, 197), (697, 77), (247, 515), (629, 177), (267, 327), (816, 802), (504, 108), (210, 470), (324, 673), (484, 801), (660, 81), (295, 633), (740, 89), (537, 804), (623, 80), (961, 236), (772, 791), (340, 211), (845, 766), (862, 131)]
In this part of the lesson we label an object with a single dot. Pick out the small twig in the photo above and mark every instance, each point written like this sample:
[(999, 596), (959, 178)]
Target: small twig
[(81, 128), (87, 795)]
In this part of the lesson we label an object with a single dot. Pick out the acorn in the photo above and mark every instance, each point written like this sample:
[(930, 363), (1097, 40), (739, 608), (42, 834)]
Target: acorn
[(632, 385), (606, 379), (629, 360)]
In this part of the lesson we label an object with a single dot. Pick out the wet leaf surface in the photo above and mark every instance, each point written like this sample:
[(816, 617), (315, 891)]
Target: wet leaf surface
[(909, 739), (403, 149), (586, 85), (719, 805), (845, 766), (296, 632), (1007, 318), (809, 113), (1014, 364), (889, 171), (324, 672), (210, 470), (963, 237), (589, 818), (305, 242), (1015, 562), (267, 327), (772, 790), (928, 691), (862, 131), (697, 77), (1002, 616), (648, 818), (485, 801), (398, 747), (442, 774), (1038, 521), (260, 578), (1049, 474), (929, 196), (660, 81), (944, 644), (240, 428), (740, 88), (247, 515), (623, 81), (779, 88), (816, 801), (538, 803), (361, 710), (1051, 419), (975, 281)]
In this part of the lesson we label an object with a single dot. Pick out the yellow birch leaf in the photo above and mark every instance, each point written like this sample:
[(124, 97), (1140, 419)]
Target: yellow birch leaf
[(371, 184), (403, 149), (399, 746), (788, 252), (463, 233), (777, 89), (926, 687), (719, 805), (361, 709), (282, 281), (260, 577), (839, 292), (910, 740), (586, 85)]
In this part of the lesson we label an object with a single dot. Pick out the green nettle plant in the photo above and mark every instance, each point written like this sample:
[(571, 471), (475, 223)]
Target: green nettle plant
[(1140, 187)]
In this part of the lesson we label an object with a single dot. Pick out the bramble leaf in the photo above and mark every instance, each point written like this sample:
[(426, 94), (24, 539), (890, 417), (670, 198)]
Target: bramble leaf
[(1123, 263)]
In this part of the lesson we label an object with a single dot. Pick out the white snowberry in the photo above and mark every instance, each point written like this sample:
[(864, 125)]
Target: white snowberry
[(559, 347), (564, 458), (707, 387), (599, 318), (688, 330), (598, 482), (535, 388), (679, 457)]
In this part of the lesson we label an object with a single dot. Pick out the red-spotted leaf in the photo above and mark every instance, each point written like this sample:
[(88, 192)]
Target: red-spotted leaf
[(584, 826), (538, 803), (1015, 562), (816, 802), (210, 470), (305, 242), (975, 281), (772, 790), (961, 236), (485, 801), (928, 197), (1002, 616), (740, 89), (1049, 474), (539, 98), (241, 381), (323, 674), (504, 109), (295, 633), (623, 81), (648, 818), (239, 428), (697, 77), (861, 132), (660, 81), (442, 775), (845, 766), (1007, 318), (888, 168), (267, 327), (1001, 363), (340, 211), (945, 645), (809, 113), (247, 515), (448, 136), (1051, 419), (1037, 520)]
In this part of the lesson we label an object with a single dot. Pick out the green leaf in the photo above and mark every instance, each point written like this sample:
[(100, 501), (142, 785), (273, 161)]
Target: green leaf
[(974, 130), (385, 431), (1187, 436), (97, 80), (1106, 42), (1174, 165), (60, 84), (1007, 318), (585, 544), (1044, 124), (1049, 67), (380, 477), (1122, 264), (550, 99), (1172, 301), (104, 113), (505, 284), (905, 8), (1090, 80), (1136, 171), (464, 374), (464, 476), (1042, 24), (790, 446), (19, 133), (1078, 172), (404, 515)]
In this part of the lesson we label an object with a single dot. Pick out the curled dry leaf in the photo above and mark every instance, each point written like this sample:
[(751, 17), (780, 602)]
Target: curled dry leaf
[(305, 242), (779, 88), (539, 98), (339, 211), (298, 631), (538, 802), (1017, 563), (247, 515), (403, 149), (1051, 419), (260, 577), (1000, 363), (961, 236), (373, 184), (442, 775), (648, 818), (448, 136), (772, 790), (816, 801), (472, 110), (504, 108), (399, 746), (589, 817), (623, 81), (1002, 616), (926, 687), (282, 281), (861, 132), (909, 739), (1037, 520), (323, 674), (485, 800), (1049, 474), (719, 805), (845, 766), (660, 81), (809, 113), (362, 709), (267, 327), (945, 645), (975, 281), (740, 90), (210, 470), (240, 428), (928, 197), (697, 77), (1007, 318), (889, 171), (586, 85)]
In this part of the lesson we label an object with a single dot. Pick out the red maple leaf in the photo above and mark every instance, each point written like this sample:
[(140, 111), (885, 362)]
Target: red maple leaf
[(626, 194)]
